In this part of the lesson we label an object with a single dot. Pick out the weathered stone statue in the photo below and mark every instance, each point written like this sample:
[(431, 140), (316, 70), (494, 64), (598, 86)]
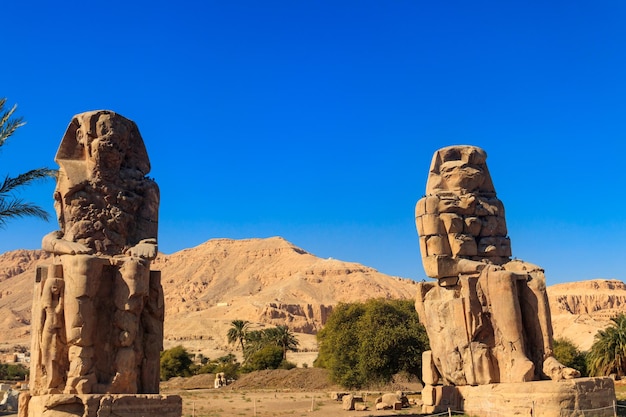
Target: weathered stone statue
[(98, 308), (487, 316)]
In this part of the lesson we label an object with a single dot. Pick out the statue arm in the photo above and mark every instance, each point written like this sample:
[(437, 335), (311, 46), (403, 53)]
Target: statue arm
[(54, 243), (146, 249), (147, 224)]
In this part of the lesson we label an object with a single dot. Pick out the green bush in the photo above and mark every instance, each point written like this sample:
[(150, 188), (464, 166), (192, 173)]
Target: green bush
[(268, 357), (568, 354), (13, 372), (367, 343), (175, 362), (207, 368)]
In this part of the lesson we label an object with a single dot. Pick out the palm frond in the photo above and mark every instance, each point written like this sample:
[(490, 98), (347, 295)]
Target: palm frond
[(19, 208), (8, 125), (608, 353), (11, 183)]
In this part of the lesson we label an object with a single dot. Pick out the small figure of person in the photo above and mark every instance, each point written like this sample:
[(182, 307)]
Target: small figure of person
[(52, 337)]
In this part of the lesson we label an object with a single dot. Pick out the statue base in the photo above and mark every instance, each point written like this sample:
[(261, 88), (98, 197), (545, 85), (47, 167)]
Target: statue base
[(572, 397), (100, 405)]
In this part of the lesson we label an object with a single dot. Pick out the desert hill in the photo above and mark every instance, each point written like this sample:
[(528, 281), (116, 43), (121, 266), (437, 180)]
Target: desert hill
[(265, 281), (580, 309), (17, 275), (270, 282)]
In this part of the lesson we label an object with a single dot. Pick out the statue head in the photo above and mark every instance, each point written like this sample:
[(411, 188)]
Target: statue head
[(52, 289), (100, 145), (460, 169)]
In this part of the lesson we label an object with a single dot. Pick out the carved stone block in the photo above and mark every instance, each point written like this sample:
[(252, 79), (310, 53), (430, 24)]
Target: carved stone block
[(430, 376), (437, 245), (453, 223), (432, 225)]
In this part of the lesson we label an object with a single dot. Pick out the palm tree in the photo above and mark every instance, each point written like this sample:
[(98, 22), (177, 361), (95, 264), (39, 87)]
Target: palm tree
[(608, 352), (255, 341), (10, 206), (238, 332), (283, 338)]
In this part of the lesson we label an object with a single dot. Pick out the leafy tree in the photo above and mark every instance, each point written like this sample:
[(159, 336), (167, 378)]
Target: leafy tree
[(269, 356), (175, 362), (608, 352), (367, 343), (227, 364), (238, 332), (10, 206), (568, 354), (207, 368), (13, 372), (339, 343)]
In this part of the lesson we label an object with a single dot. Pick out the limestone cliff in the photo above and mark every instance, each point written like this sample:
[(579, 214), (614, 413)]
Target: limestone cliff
[(580, 309)]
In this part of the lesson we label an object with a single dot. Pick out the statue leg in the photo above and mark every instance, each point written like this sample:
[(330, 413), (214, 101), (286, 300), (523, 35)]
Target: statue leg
[(536, 292), (82, 278), (131, 292), (507, 322)]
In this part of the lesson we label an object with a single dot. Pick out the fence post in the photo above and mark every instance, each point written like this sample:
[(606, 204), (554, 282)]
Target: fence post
[(449, 412), (614, 409), (532, 410)]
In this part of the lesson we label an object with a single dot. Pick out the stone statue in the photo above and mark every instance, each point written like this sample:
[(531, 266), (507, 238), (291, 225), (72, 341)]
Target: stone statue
[(220, 380), (98, 308), (101, 307), (487, 316)]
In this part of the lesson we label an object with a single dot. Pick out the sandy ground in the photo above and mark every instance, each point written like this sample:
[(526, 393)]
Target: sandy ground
[(265, 403), (217, 403), (295, 392)]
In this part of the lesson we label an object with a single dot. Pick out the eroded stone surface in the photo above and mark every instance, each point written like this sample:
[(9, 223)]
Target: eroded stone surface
[(487, 317), (98, 308), (103, 405), (575, 397)]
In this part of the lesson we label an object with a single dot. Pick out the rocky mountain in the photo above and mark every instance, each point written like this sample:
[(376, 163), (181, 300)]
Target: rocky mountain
[(270, 282), (265, 281), (580, 309)]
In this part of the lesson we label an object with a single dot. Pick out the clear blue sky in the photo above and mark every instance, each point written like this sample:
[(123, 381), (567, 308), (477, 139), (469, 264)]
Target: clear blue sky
[(317, 120)]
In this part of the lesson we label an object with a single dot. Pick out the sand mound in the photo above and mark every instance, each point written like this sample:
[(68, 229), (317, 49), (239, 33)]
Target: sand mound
[(305, 379)]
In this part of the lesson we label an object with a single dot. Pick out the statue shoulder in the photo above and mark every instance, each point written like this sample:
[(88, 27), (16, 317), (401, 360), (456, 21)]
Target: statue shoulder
[(427, 205)]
